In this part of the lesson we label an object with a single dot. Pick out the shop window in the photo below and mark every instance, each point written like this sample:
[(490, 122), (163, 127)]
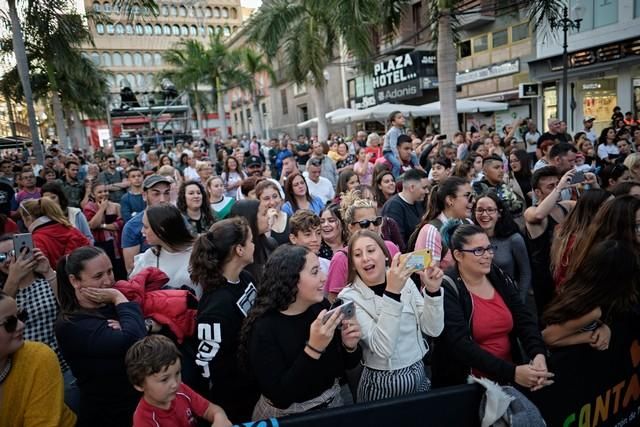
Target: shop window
[(519, 32), (464, 48), (499, 38), (480, 44)]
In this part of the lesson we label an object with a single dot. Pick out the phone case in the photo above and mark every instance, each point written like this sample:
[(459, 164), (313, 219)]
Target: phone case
[(418, 260)]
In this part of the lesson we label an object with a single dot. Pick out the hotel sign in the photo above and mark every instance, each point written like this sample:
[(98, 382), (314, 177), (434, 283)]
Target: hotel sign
[(492, 71)]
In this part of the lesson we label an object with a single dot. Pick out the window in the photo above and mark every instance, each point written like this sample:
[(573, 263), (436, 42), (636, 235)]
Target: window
[(499, 38), (116, 9), (184, 31), (148, 29), (207, 12), (117, 59), (193, 31), (111, 81), (150, 82), (147, 59), (97, 7), (182, 11), (157, 30), (164, 10), (216, 12), (226, 31), (120, 80), (140, 81), (129, 29), (636, 9), (464, 48), (146, 11), (605, 12), (137, 59), (110, 29), (234, 28), (192, 11), (283, 101), (95, 58), (100, 28), (135, 9), (225, 13), (175, 30), (234, 13), (126, 59), (174, 11), (480, 44), (106, 59), (139, 29), (218, 29), (519, 32), (202, 31), (106, 8), (157, 59), (132, 80), (166, 30), (200, 12)]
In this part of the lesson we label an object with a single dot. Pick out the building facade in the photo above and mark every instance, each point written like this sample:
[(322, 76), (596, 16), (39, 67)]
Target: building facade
[(604, 64)]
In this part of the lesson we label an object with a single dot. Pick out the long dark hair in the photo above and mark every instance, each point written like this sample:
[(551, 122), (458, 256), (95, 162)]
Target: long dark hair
[(616, 220), (607, 278), (377, 192), (288, 191), (505, 226), (213, 249), (277, 290), (169, 225), (525, 170), (73, 264), (343, 179), (456, 235), (576, 223), (205, 208), (334, 210), (250, 209), (55, 188)]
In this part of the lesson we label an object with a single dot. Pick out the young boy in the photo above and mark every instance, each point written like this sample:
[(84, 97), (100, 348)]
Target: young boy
[(304, 230), (153, 367), (132, 202)]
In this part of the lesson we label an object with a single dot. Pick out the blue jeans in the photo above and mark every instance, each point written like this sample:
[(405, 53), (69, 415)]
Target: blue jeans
[(395, 162)]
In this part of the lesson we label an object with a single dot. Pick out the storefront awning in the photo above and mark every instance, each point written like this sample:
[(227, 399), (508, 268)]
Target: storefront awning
[(329, 116), (466, 106)]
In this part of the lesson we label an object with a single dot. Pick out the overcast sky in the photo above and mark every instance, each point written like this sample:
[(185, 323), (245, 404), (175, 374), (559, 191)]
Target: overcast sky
[(251, 3)]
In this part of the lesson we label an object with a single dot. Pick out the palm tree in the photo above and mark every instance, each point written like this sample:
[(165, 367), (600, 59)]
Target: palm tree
[(306, 33), (189, 61), (254, 64), (444, 16)]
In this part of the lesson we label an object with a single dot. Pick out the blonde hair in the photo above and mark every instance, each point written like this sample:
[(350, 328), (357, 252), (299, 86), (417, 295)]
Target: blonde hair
[(352, 201), (44, 207), (632, 160), (167, 170), (202, 165), (372, 136)]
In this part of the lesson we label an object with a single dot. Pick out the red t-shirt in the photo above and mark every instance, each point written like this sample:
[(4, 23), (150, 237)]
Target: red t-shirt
[(182, 412), (492, 323)]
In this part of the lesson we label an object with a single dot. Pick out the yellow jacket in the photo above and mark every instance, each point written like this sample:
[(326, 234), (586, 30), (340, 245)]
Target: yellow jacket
[(33, 393)]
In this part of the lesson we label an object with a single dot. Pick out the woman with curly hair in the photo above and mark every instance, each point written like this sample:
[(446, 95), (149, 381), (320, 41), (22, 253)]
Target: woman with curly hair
[(290, 346), (218, 265), (193, 203)]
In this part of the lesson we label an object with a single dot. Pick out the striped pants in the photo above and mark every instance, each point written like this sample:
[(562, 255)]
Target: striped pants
[(376, 385)]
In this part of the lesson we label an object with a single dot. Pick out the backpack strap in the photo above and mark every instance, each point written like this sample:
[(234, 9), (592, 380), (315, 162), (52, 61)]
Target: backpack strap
[(438, 225), (451, 283)]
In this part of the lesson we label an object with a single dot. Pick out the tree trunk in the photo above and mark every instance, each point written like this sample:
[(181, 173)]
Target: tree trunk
[(447, 76), (257, 116), (23, 71), (320, 101), (78, 131), (58, 115), (221, 114), (198, 108), (12, 117)]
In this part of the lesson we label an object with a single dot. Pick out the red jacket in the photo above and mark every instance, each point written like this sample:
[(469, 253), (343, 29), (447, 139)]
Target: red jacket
[(174, 308), (56, 240)]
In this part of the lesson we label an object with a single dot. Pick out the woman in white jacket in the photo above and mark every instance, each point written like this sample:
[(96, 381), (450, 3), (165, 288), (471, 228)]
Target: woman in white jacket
[(393, 314)]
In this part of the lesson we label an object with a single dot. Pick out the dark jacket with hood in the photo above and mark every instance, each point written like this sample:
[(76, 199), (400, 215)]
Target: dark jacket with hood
[(455, 350)]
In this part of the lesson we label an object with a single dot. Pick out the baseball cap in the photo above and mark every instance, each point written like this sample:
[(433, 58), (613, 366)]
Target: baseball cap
[(588, 119), (153, 180), (253, 161)]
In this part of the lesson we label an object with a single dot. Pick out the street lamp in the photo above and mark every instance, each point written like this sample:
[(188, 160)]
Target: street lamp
[(567, 24)]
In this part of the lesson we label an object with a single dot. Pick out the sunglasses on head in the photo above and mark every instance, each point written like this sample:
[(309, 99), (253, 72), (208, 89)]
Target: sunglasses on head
[(11, 323), (366, 223)]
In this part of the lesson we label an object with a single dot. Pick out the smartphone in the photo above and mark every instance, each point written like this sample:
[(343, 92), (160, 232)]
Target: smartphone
[(442, 137), (578, 177), (417, 260), (22, 241), (347, 309)]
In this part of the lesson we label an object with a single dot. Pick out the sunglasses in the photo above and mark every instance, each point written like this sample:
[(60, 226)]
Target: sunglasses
[(366, 223), (11, 323)]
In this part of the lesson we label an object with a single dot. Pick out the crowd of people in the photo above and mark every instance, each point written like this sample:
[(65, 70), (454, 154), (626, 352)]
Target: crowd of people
[(248, 280)]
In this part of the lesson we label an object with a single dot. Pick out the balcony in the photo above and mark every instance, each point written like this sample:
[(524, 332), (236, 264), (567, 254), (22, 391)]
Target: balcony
[(475, 14)]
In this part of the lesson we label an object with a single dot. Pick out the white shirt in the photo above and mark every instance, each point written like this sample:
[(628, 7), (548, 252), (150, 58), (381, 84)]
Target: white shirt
[(173, 264), (323, 189), (531, 138), (604, 150), (190, 174)]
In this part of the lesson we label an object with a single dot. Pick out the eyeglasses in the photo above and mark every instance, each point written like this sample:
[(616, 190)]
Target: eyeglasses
[(488, 211), (366, 223), (111, 161), (328, 220), (469, 196), (11, 323), (491, 249)]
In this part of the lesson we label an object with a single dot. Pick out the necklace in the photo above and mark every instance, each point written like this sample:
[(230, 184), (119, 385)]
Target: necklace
[(5, 372)]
